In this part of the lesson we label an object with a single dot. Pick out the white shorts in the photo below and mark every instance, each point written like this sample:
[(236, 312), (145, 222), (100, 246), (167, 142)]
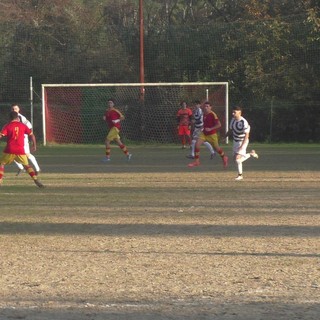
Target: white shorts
[(196, 133), (236, 146)]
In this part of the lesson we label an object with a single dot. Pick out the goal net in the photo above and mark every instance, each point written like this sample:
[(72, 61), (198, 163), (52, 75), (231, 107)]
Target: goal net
[(72, 113)]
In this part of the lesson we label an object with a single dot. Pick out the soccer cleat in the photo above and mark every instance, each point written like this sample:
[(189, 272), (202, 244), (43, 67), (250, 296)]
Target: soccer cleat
[(212, 156), (38, 183), (129, 156), (194, 164), (20, 171), (106, 159), (225, 161), (37, 172), (254, 154), (239, 177), (190, 157)]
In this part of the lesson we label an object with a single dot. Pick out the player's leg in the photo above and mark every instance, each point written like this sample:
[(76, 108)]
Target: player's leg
[(199, 142), (181, 134), (34, 162), (6, 158), (241, 155), (107, 150), (20, 168), (210, 148), (196, 134), (111, 136), (23, 159), (187, 133), (193, 145), (30, 157), (239, 166), (1, 173), (253, 154), (124, 148), (213, 139)]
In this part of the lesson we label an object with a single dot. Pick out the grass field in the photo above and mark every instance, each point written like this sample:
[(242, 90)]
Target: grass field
[(154, 239)]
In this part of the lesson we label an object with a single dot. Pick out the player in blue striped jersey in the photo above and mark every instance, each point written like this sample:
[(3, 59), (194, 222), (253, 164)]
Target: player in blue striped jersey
[(240, 129)]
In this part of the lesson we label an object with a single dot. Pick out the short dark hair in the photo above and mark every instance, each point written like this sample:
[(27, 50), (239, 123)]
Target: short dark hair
[(237, 108), (196, 102), (13, 115)]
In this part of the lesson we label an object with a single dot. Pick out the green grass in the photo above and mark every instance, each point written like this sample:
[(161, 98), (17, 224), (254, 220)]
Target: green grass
[(156, 235)]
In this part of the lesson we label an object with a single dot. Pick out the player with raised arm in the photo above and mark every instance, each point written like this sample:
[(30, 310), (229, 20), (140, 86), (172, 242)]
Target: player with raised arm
[(240, 130), (113, 117), (15, 131), (32, 158)]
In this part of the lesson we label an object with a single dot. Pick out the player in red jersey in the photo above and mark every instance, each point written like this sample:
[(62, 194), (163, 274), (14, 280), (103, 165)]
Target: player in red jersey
[(14, 150), (211, 124), (113, 117), (184, 116)]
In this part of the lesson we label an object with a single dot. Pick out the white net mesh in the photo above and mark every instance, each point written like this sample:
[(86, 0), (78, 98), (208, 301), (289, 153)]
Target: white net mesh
[(73, 113)]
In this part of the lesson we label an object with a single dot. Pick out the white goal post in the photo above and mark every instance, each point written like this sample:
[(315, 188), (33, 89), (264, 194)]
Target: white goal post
[(72, 113)]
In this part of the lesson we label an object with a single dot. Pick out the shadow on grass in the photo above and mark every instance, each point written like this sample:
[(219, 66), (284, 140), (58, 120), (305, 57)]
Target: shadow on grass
[(158, 230), (205, 309), (162, 159)]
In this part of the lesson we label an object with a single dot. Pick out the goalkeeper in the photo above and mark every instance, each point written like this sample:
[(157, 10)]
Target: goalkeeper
[(113, 117)]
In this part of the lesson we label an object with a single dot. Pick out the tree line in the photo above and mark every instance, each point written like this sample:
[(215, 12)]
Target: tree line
[(267, 50)]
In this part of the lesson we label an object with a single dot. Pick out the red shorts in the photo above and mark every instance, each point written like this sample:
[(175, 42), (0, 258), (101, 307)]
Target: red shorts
[(184, 130)]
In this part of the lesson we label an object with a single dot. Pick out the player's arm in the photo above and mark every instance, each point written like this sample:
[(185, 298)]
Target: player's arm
[(216, 125), (3, 133), (27, 123), (121, 116), (34, 141), (229, 133)]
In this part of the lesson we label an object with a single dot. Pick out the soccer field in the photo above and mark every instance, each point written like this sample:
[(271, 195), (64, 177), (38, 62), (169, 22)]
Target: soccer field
[(154, 239)]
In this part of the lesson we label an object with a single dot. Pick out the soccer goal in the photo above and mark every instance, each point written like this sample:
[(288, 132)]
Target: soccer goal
[(72, 113)]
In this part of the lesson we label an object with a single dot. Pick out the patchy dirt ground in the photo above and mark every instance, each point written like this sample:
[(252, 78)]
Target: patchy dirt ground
[(161, 246)]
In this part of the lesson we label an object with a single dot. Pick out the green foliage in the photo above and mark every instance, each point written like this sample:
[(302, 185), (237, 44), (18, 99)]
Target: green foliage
[(264, 49)]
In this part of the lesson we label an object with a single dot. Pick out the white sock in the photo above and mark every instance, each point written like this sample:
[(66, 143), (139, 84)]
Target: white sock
[(239, 164), (209, 146), (19, 165), (33, 160), (240, 160), (193, 145)]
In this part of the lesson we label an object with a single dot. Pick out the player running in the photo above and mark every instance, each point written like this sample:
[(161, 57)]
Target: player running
[(240, 129), (197, 129), (14, 150), (30, 157), (211, 124), (113, 117)]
